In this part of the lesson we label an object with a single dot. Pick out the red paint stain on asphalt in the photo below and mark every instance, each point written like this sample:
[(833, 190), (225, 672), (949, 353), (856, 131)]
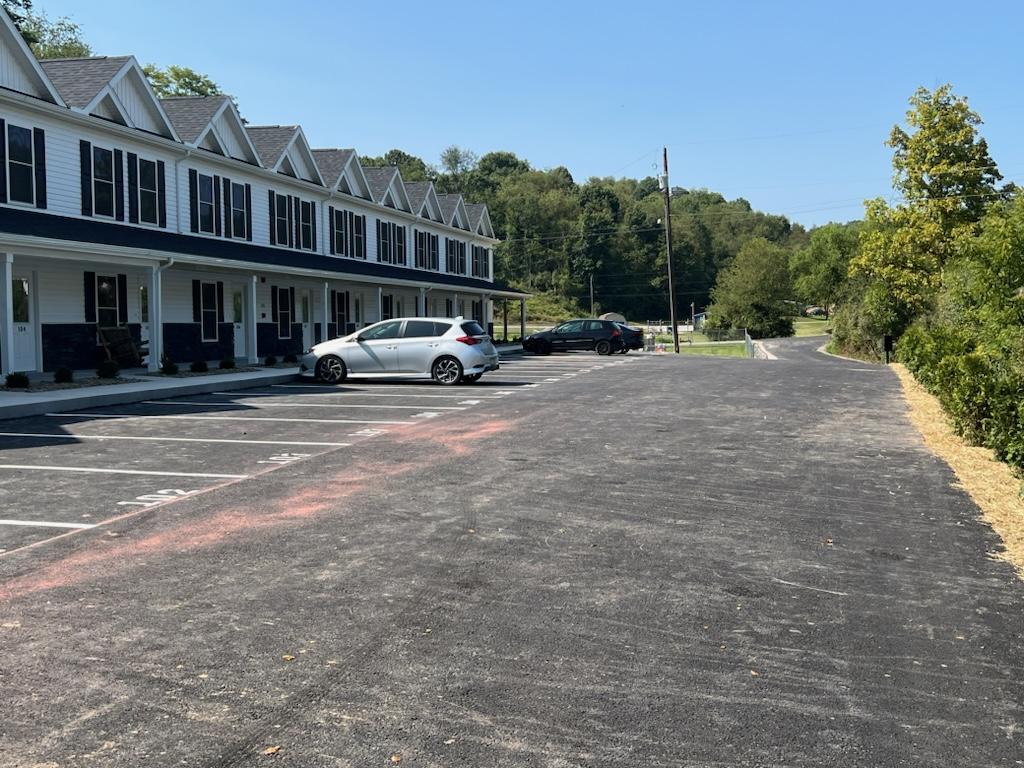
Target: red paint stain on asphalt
[(118, 554)]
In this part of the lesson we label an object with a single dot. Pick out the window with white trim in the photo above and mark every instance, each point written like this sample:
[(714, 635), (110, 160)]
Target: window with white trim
[(107, 309), (455, 256), (342, 308), (205, 186), (281, 218), (208, 310), (427, 250), (306, 226), (390, 242), (103, 182), (239, 219), (284, 313), (149, 198), (21, 180), (481, 262)]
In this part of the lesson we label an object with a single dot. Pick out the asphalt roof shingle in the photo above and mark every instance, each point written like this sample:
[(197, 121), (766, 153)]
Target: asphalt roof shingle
[(448, 205), (191, 114), (476, 212), (417, 192), (270, 141), (331, 163), (379, 180), (79, 80)]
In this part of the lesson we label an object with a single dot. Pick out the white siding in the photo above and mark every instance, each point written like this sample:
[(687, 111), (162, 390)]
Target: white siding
[(138, 104), (14, 72)]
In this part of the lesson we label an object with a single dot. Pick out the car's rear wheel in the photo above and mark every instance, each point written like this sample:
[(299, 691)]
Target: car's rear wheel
[(331, 369), (446, 370), (603, 347), (471, 378), (542, 347)]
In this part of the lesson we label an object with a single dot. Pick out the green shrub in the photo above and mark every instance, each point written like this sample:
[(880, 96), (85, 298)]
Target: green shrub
[(227, 363), (168, 367), (1005, 434), (108, 369), (269, 361), (199, 366), (965, 388), (290, 358), (63, 376), (17, 380)]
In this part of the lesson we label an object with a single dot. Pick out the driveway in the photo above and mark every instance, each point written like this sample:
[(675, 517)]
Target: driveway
[(638, 561)]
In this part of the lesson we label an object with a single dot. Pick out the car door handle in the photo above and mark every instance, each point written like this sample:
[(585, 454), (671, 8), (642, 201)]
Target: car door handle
[(391, 346)]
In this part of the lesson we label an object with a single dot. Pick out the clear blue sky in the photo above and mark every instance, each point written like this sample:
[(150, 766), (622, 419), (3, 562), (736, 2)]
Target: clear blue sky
[(784, 103)]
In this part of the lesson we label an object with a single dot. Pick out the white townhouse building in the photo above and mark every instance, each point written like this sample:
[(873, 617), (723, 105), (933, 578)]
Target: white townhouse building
[(206, 237)]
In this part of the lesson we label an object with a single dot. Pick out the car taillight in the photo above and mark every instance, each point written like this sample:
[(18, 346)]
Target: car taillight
[(470, 340), (616, 333)]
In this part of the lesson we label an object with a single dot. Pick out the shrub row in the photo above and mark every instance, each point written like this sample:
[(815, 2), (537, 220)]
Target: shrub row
[(982, 390)]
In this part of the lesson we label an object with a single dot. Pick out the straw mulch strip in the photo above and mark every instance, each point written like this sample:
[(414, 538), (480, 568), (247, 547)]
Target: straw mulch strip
[(992, 484)]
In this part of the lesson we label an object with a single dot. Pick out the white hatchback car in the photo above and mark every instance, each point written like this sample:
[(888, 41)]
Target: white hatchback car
[(446, 349)]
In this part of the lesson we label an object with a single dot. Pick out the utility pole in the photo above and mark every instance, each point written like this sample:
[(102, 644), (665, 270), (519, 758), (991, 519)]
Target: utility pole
[(591, 294), (668, 251)]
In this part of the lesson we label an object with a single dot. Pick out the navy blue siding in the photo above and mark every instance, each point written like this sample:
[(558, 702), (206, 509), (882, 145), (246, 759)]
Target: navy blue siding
[(267, 342), (183, 342)]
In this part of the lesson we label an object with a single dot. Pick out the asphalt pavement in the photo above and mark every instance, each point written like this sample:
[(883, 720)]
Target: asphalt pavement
[(579, 561)]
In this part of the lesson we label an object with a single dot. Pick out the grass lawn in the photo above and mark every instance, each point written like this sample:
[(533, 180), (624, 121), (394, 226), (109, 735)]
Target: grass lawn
[(810, 326), (726, 349)]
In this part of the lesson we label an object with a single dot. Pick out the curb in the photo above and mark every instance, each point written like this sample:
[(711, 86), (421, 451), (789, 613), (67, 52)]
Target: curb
[(96, 399), (822, 350)]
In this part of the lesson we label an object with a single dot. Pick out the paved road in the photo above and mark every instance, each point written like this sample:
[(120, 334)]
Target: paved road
[(661, 562)]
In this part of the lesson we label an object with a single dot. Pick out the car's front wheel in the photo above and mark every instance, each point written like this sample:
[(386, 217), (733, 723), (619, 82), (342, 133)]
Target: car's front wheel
[(471, 378), (331, 369), (603, 347), (446, 370), (542, 347)]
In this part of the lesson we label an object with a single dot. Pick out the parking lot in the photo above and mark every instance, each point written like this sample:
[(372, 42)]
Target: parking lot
[(63, 474)]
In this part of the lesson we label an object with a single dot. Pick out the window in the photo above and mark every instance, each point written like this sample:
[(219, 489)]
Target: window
[(387, 307), (206, 204), (481, 262), (383, 331), (19, 293), (281, 217), (284, 313), (143, 304), (390, 242), (208, 311), (342, 313), (20, 165), (148, 195), (573, 326), (306, 226), (349, 234), (358, 313), (449, 308), (102, 182), (239, 219), (426, 245), (106, 300), (455, 256), (420, 328)]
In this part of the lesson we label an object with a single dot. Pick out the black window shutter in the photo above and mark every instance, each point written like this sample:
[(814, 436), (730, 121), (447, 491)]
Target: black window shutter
[(122, 298), (39, 139), (273, 303), (291, 228), (291, 304), (362, 236), (3, 161), (220, 302), (228, 224), (248, 212), (297, 218), (193, 199), (216, 205), (334, 305), (161, 193), (85, 149), (330, 228), (118, 185), (90, 297), (133, 188), (197, 302), (273, 219), (312, 221)]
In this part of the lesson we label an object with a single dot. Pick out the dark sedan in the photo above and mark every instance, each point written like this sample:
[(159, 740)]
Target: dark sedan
[(632, 338), (601, 336)]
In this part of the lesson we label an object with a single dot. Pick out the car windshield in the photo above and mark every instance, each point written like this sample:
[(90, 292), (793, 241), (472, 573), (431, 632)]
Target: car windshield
[(473, 328)]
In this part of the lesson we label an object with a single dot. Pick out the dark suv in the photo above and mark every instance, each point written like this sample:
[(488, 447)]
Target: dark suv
[(602, 336)]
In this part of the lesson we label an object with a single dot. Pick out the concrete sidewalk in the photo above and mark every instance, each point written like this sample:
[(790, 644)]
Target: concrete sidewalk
[(17, 404)]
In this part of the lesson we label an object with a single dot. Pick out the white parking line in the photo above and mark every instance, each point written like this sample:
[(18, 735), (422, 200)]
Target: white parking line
[(173, 439), (203, 417), (411, 389), (107, 471), (241, 404), (40, 524), (362, 393)]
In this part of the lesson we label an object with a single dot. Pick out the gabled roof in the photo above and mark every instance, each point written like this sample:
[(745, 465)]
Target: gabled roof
[(423, 199), (387, 187), (453, 209), (479, 219), (212, 123), (111, 87), (341, 171), (19, 70), (283, 148)]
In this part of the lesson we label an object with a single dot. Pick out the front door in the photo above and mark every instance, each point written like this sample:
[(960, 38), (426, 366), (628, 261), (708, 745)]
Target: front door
[(23, 356), (238, 318), (306, 315)]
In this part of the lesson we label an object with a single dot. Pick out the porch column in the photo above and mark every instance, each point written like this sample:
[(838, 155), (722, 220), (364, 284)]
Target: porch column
[(250, 325), (504, 318), (380, 303), (522, 318), (7, 314), (423, 303), (154, 298), (327, 313)]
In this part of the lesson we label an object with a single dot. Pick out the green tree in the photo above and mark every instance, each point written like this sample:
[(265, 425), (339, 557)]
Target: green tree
[(60, 39), (177, 80), (820, 268), (411, 167), (754, 291)]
